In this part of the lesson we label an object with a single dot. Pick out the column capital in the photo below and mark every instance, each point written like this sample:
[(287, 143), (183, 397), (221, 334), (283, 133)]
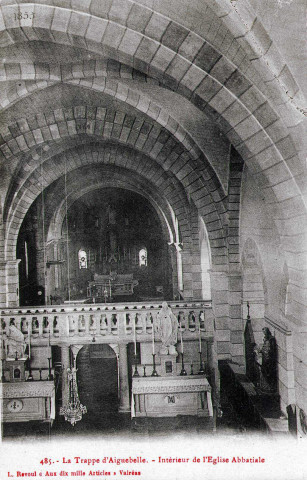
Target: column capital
[(177, 246)]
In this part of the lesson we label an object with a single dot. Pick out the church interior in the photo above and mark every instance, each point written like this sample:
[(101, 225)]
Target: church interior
[(153, 217)]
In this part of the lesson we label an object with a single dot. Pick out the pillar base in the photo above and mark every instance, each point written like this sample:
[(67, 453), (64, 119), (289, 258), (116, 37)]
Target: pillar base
[(124, 410)]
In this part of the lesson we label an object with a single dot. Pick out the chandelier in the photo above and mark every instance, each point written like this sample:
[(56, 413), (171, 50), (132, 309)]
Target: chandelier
[(73, 410)]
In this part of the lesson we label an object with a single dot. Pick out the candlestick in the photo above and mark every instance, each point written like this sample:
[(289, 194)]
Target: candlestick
[(201, 368), (153, 339), (110, 289), (181, 341), (136, 373), (50, 376), (144, 367), (29, 339), (134, 334), (154, 371), (199, 339), (183, 371)]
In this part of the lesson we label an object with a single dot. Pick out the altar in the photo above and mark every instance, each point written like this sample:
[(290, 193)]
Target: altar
[(28, 401), (108, 286), (171, 396)]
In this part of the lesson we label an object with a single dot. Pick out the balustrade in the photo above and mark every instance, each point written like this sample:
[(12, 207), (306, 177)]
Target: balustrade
[(104, 323)]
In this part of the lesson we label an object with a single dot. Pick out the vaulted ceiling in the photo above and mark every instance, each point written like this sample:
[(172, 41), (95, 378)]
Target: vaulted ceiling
[(158, 91)]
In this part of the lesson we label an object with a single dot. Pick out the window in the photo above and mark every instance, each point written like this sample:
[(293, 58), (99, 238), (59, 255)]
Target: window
[(143, 257), (82, 256)]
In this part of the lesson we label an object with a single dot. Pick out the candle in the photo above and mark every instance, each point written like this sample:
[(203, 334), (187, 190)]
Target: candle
[(134, 332), (199, 339), (110, 289), (153, 339), (181, 341), (29, 339)]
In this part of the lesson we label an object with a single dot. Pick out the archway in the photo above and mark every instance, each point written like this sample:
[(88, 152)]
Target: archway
[(98, 381), (110, 225)]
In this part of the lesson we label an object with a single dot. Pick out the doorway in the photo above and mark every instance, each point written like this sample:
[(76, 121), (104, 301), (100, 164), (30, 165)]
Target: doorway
[(98, 381)]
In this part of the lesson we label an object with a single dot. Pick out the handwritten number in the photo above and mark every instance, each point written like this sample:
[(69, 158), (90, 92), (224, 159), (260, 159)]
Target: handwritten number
[(24, 16)]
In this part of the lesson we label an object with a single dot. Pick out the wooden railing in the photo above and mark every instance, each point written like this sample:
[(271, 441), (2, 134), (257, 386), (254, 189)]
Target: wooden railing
[(80, 323)]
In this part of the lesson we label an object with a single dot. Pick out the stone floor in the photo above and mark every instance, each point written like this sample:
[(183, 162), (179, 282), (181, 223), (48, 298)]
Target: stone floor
[(102, 419), (115, 425)]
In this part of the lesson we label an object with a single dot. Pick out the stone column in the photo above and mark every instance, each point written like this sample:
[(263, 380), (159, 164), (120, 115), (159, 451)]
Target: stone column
[(9, 283), (236, 323), (227, 309), (65, 360), (124, 404), (187, 272), (220, 307), (177, 249)]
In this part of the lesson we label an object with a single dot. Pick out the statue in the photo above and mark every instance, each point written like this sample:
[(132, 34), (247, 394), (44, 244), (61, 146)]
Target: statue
[(15, 343), (166, 326), (266, 359)]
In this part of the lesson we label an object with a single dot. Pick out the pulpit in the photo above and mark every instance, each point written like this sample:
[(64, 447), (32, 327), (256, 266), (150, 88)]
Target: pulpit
[(171, 396)]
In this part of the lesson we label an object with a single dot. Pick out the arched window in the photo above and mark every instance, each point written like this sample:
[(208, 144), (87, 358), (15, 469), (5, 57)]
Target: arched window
[(143, 257), (82, 256)]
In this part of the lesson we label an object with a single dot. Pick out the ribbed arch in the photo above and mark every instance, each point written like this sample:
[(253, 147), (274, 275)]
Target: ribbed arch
[(253, 140), (170, 146), (166, 186), (97, 178)]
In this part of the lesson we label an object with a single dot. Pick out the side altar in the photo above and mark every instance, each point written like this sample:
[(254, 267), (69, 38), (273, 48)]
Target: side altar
[(22, 398), (169, 391), (25, 401), (171, 396)]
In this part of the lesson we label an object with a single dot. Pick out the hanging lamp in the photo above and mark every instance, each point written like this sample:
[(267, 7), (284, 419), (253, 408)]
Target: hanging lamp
[(73, 411)]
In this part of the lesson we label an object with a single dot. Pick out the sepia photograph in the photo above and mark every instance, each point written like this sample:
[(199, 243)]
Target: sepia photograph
[(153, 234)]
